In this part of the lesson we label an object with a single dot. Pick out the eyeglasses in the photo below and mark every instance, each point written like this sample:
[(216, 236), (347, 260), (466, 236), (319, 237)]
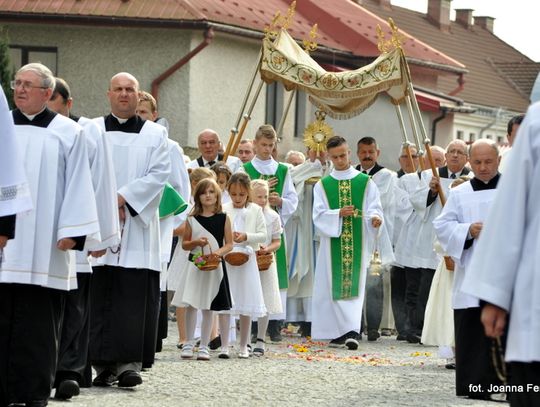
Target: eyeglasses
[(25, 85), (458, 152)]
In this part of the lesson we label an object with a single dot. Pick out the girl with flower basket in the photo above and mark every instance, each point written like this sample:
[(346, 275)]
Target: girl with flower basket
[(249, 230), (269, 275), (205, 283)]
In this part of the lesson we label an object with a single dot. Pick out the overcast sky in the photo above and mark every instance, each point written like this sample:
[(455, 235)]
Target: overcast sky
[(516, 21)]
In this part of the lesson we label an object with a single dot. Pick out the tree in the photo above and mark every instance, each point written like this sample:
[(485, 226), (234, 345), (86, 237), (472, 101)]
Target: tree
[(6, 69)]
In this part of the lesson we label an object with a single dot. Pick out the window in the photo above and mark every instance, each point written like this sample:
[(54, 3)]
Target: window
[(22, 55), (300, 114), (472, 137), (274, 103), (459, 134), (500, 139)]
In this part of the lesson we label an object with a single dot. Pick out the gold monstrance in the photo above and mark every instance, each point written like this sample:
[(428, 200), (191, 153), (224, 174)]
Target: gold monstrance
[(317, 133)]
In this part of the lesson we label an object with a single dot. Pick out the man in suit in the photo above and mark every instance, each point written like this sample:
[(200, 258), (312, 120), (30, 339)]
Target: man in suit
[(209, 143)]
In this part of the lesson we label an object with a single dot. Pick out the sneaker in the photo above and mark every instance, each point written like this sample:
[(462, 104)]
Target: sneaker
[(351, 343), (337, 342), (243, 354), (203, 354), (187, 351), (224, 353)]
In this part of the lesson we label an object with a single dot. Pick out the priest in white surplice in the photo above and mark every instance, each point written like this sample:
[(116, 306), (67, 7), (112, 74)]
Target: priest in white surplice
[(458, 227), (346, 212), (125, 285), (35, 274), (505, 266), (73, 370), (14, 191)]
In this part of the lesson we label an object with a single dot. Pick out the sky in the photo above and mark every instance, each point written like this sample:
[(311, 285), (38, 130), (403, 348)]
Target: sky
[(515, 21)]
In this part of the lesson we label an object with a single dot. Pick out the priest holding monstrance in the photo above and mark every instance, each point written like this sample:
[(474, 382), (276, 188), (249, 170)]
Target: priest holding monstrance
[(346, 212)]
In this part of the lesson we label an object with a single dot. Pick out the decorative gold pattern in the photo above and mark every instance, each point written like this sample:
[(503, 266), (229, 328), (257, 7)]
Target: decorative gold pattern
[(347, 241), (394, 42), (316, 134), (280, 22), (311, 45)]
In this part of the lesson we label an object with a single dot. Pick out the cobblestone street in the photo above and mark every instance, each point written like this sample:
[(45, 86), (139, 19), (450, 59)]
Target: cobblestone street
[(294, 373)]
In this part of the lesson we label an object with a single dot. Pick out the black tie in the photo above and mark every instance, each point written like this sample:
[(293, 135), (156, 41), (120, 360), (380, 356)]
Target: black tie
[(453, 175), (210, 163), (364, 172)]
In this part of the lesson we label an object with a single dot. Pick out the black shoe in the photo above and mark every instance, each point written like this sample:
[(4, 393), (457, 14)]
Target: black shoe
[(274, 331), (67, 389), (401, 337), (37, 403), (105, 379), (129, 378), (337, 342), (305, 329), (451, 366), (351, 343), (412, 338), (373, 335), (215, 343)]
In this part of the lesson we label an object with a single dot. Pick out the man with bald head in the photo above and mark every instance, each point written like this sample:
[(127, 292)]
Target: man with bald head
[(125, 285), (458, 228), (209, 144)]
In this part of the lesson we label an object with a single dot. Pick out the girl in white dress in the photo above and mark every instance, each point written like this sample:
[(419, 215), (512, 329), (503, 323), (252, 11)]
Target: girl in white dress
[(269, 278), (249, 230), (210, 229)]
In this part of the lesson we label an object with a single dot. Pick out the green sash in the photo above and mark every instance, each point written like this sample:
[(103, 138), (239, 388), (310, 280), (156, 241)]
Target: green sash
[(171, 202), (346, 250), (281, 254)]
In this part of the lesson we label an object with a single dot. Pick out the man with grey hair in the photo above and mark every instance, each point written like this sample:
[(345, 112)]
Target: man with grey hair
[(125, 285), (295, 158), (458, 228), (209, 144), (35, 275)]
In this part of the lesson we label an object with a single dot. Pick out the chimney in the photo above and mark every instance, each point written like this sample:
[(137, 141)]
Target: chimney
[(464, 17), (485, 22), (439, 13)]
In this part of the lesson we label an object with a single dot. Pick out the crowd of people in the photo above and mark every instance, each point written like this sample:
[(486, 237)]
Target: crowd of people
[(105, 222)]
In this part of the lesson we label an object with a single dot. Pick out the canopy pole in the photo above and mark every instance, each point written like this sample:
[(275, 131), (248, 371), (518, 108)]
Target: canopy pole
[(247, 118), (427, 143), (406, 142), (415, 132), (234, 130), (281, 125)]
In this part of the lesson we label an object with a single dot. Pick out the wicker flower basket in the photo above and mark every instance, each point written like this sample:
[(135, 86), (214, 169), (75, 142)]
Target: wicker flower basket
[(236, 258), (264, 261), (210, 261)]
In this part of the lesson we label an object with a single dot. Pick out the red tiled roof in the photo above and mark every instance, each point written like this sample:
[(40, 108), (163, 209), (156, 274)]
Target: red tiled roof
[(520, 74), (345, 27), (473, 46)]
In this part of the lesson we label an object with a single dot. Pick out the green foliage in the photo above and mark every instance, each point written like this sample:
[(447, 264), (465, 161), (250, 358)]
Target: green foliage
[(6, 70)]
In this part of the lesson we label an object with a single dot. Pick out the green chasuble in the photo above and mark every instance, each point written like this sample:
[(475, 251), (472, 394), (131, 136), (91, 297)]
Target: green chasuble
[(281, 254), (346, 250)]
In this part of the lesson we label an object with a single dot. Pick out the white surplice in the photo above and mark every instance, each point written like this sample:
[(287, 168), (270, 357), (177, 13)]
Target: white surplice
[(142, 167), (504, 270), (179, 180), (56, 163), (464, 207), (333, 318), (14, 189), (104, 184)]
